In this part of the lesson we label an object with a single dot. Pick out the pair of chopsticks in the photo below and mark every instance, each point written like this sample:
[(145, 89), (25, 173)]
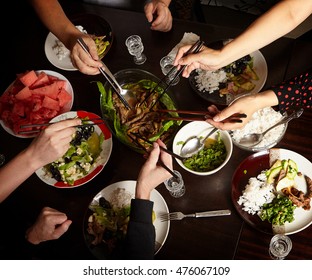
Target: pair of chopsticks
[(108, 76), (193, 49), (162, 148), (95, 121), (235, 118)]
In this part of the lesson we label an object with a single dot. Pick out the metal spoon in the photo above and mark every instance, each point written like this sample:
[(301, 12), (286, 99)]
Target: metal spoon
[(127, 97), (194, 144), (253, 139)]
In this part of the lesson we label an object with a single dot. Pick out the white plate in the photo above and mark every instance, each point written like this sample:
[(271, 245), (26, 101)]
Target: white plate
[(251, 167), (107, 146), (68, 88), (260, 67), (160, 207), (64, 63), (93, 24)]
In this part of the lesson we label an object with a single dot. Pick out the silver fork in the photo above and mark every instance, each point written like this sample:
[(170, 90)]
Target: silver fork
[(179, 215)]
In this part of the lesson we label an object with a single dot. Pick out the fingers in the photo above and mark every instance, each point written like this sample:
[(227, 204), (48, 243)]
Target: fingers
[(82, 60), (63, 124), (165, 157), (61, 229), (213, 110), (154, 155), (149, 10)]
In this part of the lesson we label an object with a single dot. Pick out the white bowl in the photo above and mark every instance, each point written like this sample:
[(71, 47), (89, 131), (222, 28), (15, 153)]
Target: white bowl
[(201, 129)]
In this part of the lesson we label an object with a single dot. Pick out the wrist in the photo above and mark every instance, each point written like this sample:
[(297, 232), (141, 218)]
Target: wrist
[(142, 192), (30, 161), (266, 99), (30, 237)]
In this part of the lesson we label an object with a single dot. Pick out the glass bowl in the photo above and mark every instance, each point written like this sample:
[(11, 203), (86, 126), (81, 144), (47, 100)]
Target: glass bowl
[(127, 131), (261, 120)]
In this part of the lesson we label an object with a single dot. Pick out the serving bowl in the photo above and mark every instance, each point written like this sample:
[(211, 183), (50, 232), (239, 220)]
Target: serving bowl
[(143, 124), (261, 120), (201, 129)]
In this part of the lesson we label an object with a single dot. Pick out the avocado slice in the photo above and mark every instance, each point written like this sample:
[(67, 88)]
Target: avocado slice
[(292, 169), (274, 172)]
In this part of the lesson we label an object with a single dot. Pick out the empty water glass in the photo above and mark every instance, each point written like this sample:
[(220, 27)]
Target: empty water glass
[(175, 185), (135, 48), (166, 64), (280, 246)]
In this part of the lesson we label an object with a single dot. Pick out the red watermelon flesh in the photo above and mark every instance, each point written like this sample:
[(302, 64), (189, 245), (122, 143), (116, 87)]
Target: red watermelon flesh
[(38, 102), (28, 78)]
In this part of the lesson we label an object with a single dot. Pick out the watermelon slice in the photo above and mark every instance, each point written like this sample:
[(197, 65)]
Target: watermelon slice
[(50, 103), (23, 93), (42, 80), (28, 78), (64, 97)]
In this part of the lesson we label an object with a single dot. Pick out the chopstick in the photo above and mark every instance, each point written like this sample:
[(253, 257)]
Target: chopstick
[(168, 169), (235, 118), (159, 162), (84, 46), (195, 47), (162, 148), (47, 124)]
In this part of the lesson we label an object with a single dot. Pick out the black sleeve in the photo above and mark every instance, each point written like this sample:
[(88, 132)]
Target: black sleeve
[(140, 238), (295, 92)]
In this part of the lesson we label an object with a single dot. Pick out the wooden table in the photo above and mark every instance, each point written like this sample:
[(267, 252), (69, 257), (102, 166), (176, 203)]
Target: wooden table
[(220, 238)]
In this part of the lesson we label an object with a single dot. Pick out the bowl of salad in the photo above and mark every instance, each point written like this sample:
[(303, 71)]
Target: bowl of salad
[(215, 154), (143, 121)]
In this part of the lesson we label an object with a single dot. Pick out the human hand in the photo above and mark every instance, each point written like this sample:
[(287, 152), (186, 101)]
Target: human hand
[(163, 17), (248, 105), (50, 225), (52, 142), (151, 174), (205, 59), (82, 60), (244, 105)]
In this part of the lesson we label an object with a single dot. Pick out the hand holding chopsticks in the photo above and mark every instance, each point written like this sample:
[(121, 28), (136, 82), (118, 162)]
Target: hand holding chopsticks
[(108, 75), (193, 49), (94, 121), (135, 136)]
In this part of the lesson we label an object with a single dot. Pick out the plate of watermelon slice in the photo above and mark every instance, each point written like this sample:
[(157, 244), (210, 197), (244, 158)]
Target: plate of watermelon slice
[(34, 97)]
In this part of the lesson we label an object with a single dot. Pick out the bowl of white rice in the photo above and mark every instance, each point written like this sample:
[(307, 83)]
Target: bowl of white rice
[(261, 121)]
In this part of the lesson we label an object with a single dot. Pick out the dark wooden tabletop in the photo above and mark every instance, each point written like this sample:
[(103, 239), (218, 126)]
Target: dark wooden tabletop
[(220, 238)]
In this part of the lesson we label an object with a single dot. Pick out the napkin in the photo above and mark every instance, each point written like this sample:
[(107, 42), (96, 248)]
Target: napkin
[(188, 38)]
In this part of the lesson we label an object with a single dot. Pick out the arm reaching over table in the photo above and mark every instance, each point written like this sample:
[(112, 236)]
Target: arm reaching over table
[(140, 239), (54, 18), (282, 18), (49, 145), (158, 14)]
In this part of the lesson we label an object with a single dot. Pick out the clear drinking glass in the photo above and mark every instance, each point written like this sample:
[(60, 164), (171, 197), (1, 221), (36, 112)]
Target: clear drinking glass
[(280, 246), (175, 186), (166, 64), (135, 48)]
